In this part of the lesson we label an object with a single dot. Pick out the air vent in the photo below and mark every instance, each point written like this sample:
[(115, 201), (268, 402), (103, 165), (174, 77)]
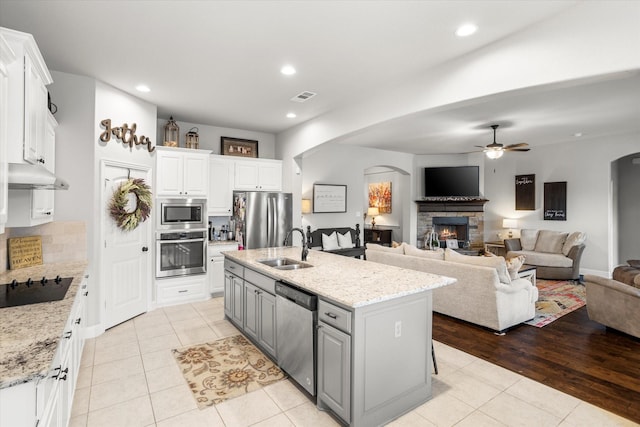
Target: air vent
[(303, 96)]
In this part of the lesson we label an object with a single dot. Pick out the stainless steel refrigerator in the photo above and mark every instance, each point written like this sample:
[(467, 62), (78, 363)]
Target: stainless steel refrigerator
[(262, 219)]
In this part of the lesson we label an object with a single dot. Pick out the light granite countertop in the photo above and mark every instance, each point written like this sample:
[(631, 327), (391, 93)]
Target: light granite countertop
[(29, 334), (348, 281)]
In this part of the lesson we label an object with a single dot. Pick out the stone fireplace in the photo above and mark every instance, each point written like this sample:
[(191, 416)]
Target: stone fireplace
[(459, 218)]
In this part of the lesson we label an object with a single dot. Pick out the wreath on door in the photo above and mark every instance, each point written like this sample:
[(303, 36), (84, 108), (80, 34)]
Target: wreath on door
[(131, 204)]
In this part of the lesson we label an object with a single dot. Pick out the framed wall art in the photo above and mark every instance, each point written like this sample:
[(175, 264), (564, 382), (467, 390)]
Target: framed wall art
[(525, 192), (380, 196), (238, 147), (329, 198), (555, 201)]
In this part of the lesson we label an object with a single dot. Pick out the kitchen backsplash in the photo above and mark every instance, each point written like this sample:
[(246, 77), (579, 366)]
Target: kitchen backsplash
[(62, 241)]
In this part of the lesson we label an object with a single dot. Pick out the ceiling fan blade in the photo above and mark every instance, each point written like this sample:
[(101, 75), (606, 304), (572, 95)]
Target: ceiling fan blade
[(517, 149), (520, 145)]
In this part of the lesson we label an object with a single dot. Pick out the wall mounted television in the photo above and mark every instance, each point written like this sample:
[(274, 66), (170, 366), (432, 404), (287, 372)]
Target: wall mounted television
[(460, 181)]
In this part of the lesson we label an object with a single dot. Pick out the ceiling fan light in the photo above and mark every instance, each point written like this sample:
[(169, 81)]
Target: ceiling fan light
[(494, 154)]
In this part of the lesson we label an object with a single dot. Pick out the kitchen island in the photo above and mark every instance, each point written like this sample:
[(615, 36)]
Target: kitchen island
[(374, 328)]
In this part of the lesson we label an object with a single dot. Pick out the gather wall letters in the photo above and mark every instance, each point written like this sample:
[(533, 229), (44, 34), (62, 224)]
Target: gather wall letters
[(125, 134)]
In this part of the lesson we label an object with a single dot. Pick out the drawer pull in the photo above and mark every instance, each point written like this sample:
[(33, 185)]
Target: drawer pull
[(78, 320), (331, 315), (67, 335), (183, 291)]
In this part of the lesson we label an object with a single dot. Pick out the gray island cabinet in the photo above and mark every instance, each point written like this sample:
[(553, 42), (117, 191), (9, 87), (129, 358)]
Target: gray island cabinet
[(373, 339)]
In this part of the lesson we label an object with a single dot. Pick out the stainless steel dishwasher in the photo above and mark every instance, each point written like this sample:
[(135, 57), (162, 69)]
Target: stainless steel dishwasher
[(296, 319)]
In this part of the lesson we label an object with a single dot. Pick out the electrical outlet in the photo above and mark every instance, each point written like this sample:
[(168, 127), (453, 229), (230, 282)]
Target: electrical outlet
[(398, 331)]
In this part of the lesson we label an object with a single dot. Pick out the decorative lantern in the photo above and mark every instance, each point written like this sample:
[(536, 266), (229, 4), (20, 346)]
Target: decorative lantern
[(192, 139), (171, 133)]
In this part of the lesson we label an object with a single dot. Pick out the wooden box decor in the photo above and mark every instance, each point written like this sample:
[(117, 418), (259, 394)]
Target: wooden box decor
[(238, 147), (25, 252)]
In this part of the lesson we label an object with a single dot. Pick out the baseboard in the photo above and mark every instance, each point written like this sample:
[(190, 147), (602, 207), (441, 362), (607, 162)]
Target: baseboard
[(601, 273)]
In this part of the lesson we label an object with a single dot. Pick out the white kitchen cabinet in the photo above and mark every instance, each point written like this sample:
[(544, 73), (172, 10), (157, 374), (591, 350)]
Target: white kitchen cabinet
[(28, 78), (258, 175), (220, 200), (6, 57), (215, 269), (179, 290), (182, 172)]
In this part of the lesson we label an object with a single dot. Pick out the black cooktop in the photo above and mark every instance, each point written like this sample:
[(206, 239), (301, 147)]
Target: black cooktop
[(33, 291)]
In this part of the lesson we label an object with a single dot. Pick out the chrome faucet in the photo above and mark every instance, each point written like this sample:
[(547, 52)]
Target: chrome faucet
[(305, 244)]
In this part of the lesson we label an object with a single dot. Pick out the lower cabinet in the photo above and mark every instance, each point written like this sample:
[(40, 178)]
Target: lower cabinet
[(250, 304), (179, 290), (260, 317), (47, 401), (334, 370)]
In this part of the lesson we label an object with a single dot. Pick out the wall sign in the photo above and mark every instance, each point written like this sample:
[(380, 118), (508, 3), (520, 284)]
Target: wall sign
[(329, 198), (525, 192), (555, 201), (25, 252), (124, 133)]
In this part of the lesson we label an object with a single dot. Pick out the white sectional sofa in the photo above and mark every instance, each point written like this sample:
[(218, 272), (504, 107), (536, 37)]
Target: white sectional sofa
[(485, 292)]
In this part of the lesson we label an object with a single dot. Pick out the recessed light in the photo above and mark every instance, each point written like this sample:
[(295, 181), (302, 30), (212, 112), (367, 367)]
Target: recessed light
[(143, 88), (288, 70), (465, 30), (577, 134), (291, 115)]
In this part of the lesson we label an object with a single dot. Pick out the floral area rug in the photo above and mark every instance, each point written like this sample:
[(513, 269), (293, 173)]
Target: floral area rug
[(224, 369), (555, 299)]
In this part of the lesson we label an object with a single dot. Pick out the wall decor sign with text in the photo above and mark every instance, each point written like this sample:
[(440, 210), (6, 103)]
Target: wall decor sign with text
[(329, 198), (238, 147), (127, 135), (555, 201), (380, 196), (525, 192)]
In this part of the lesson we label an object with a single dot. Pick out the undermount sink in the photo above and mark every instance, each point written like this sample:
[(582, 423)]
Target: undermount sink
[(284, 263)]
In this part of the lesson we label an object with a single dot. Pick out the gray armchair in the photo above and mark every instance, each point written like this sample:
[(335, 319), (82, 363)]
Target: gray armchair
[(614, 304)]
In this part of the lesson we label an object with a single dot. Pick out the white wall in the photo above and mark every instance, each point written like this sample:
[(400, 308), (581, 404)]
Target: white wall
[(209, 137), (346, 165), (586, 167)]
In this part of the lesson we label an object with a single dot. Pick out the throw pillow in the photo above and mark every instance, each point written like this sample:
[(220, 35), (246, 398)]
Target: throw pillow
[(528, 239), (395, 244), (513, 265), (636, 280), (634, 263), (344, 240), (330, 243), (575, 238), (377, 247), (550, 241), (496, 262), (413, 251)]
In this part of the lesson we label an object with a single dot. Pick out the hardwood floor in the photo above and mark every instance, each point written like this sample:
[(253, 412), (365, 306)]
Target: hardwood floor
[(573, 354)]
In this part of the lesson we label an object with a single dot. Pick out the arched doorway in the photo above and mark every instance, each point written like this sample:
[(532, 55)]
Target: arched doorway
[(625, 177)]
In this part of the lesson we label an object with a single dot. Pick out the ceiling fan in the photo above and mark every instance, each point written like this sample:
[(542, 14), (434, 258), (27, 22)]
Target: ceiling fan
[(495, 150)]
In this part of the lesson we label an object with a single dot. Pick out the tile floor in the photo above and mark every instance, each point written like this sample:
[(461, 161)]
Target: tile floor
[(128, 378)]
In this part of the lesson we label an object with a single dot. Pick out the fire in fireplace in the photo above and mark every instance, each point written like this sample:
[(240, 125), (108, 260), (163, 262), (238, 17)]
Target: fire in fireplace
[(451, 228)]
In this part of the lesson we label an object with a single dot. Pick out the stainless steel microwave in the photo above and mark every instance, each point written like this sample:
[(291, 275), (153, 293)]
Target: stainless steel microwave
[(182, 214)]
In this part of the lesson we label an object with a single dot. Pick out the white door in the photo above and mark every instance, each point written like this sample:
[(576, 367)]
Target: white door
[(126, 255)]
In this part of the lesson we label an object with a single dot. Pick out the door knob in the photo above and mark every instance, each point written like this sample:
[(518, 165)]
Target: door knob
[(145, 249)]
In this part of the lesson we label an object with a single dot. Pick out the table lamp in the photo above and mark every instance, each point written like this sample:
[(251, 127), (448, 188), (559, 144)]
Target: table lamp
[(510, 224), (373, 213)]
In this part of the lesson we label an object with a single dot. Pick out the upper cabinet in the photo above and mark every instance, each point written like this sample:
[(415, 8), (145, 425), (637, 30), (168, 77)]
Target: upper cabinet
[(220, 198), (258, 175), (6, 58), (182, 172), (27, 92)]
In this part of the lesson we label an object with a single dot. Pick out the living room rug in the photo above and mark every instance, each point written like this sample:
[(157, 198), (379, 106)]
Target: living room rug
[(555, 299), (226, 368)]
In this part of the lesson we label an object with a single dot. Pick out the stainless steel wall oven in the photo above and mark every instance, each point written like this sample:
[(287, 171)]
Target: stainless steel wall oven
[(181, 252)]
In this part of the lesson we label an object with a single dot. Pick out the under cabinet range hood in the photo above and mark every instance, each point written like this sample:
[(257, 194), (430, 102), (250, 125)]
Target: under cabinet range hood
[(25, 176)]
